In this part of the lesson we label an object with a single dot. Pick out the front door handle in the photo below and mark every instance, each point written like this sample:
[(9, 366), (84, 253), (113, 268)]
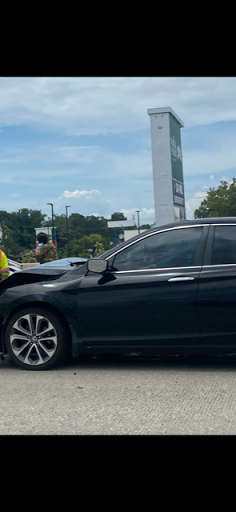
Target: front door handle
[(187, 278)]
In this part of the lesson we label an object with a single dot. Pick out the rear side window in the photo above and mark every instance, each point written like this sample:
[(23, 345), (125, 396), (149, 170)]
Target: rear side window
[(224, 245)]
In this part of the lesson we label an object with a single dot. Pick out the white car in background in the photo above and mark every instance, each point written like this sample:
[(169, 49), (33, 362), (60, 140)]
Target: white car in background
[(14, 266)]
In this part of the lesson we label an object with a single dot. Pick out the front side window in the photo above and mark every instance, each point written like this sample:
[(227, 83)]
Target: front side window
[(224, 245), (174, 248)]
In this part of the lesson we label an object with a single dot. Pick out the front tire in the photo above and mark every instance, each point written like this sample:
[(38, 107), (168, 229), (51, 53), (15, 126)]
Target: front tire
[(36, 339)]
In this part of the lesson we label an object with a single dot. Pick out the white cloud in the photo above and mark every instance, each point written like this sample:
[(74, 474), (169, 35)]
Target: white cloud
[(92, 105), (78, 193), (146, 216), (81, 201), (215, 160), (98, 164), (193, 203), (200, 194), (50, 154)]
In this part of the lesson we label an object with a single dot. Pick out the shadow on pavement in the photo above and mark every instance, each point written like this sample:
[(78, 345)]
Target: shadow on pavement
[(172, 362), (116, 362)]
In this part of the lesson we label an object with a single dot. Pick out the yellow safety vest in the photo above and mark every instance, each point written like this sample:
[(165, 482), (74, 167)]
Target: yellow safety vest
[(4, 268)]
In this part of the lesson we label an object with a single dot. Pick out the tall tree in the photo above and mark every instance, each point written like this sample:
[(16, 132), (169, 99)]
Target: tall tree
[(220, 202), (118, 216)]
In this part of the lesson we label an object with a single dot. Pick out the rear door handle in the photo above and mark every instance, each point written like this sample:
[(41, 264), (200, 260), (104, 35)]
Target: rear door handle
[(173, 279)]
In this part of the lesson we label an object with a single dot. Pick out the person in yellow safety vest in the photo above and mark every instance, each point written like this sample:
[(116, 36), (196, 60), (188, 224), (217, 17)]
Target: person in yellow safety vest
[(4, 268)]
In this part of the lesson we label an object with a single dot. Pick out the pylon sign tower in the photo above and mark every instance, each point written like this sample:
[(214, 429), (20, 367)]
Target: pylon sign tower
[(167, 163)]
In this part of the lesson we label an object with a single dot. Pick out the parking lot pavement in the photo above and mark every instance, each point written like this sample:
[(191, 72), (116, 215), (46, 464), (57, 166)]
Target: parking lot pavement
[(134, 396)]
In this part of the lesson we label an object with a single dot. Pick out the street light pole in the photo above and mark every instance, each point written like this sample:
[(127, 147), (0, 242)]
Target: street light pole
[(67, 227), (137, 211), (52, 221)]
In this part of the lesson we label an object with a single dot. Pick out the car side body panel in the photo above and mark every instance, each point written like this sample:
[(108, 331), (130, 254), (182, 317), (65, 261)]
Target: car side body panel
[(187, 309)]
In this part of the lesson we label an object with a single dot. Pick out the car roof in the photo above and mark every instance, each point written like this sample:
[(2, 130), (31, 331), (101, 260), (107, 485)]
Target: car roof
[(205, 220), (182, 223)]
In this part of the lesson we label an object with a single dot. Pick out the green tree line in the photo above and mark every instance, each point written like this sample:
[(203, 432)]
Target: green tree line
[(86, 234)]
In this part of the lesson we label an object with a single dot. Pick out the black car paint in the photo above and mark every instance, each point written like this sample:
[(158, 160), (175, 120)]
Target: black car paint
[(146, 303), (59, 297), (138, 312), (217, 301)]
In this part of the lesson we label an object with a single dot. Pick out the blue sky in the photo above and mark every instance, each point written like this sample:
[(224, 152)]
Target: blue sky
[(85, 142)]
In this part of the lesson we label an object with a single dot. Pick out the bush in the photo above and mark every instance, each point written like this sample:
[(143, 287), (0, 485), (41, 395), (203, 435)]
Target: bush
[(29, 258)]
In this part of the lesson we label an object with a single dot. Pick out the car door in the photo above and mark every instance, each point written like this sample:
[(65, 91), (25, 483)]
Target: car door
[(217, 288), (149, 297)]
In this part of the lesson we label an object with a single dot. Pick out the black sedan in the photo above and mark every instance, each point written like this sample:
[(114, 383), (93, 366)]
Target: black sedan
[(171, 289)]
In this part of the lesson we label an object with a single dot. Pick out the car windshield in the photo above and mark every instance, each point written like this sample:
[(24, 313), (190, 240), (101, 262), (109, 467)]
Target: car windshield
[(114, 249)]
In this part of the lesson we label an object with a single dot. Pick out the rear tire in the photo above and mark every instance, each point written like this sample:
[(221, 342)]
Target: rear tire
[(36, 339)]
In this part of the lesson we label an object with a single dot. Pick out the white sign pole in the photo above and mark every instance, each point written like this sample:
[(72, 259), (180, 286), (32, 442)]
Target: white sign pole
[(167, 165)]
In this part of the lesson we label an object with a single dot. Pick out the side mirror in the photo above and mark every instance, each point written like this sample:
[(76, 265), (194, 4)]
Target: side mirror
[(98, 266)]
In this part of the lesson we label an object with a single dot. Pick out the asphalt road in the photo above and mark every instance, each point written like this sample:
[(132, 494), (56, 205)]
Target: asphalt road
[(120, 396)]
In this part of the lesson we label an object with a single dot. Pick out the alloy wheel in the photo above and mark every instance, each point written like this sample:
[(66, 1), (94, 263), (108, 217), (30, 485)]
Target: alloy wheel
[(33, 339)]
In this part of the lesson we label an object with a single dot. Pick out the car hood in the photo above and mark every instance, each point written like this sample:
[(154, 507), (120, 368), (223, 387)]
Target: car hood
[(33, 275)]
